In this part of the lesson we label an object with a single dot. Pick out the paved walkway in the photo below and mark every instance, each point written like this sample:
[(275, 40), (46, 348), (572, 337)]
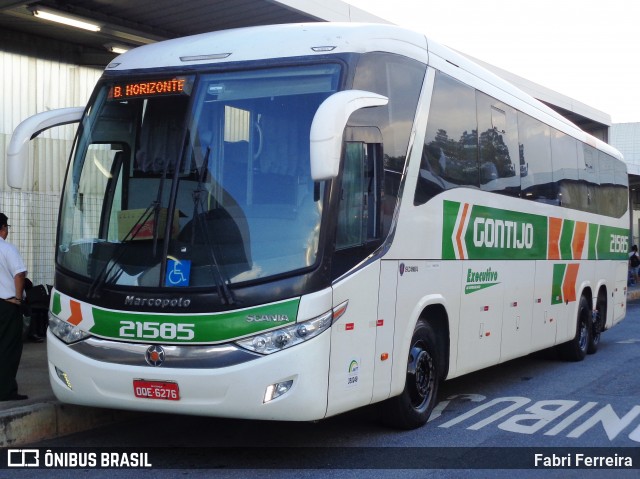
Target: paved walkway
[(42, 416)]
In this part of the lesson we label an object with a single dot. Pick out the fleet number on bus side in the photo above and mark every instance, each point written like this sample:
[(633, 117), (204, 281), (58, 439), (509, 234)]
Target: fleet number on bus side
[(619, 244)]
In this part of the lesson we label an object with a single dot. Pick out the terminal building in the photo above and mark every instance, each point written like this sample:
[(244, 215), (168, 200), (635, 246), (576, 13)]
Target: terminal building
[(46, 64)]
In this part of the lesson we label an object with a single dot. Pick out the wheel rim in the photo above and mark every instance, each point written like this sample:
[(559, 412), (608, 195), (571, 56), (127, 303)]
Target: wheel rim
[(420, 377), (598, 321), (584, 334)]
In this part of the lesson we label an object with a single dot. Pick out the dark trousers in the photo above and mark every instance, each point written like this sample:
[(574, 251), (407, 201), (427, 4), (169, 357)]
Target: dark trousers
[(10, 348)]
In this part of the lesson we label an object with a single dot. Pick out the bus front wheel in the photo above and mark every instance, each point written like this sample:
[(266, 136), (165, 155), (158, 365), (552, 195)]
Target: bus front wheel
[(413, 407)]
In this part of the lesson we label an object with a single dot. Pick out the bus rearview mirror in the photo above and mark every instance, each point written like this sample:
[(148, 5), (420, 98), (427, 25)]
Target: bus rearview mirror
[(18, 149), (328, 126)]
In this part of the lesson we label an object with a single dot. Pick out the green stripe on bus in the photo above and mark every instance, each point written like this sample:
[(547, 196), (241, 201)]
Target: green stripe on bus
[(451, 209), (493, 233), (556, 284), (56, 305), (206, 328), (593, 236), (566, 236)]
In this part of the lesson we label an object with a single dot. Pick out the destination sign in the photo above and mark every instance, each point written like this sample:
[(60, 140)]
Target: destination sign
[(122, 91)]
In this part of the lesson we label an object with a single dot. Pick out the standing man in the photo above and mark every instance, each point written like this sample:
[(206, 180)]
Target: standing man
[(12, 276)]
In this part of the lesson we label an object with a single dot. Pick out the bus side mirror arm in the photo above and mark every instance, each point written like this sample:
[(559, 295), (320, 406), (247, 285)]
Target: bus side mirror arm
[(328, 126), (18, 149)]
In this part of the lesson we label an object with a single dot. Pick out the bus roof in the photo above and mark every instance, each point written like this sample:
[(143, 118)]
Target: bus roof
[(309, 39), (274, 41)]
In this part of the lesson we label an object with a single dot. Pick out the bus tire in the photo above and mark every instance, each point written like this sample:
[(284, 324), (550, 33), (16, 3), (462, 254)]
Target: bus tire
[(598, 320), (576, 349), (412, 408)]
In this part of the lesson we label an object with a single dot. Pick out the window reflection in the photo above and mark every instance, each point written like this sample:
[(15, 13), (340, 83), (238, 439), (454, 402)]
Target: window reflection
[(474, 140)]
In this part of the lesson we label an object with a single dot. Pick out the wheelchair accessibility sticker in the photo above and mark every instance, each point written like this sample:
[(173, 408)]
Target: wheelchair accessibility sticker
[(178, 272)]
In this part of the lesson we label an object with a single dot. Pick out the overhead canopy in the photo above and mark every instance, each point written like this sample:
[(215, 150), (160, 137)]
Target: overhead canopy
[(128, 23)]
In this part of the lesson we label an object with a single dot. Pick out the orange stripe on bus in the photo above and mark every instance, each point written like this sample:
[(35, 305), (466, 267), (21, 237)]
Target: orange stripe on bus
[(555, 228), (569, 283), (465, 208), (76, 313), (579, 235)]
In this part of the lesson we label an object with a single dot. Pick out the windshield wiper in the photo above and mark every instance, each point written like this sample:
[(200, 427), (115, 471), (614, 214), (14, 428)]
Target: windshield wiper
[(156, 212), (199, 221), (105, 275)]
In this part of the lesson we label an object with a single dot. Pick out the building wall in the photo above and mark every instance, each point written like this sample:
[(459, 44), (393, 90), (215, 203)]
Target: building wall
[(626, 138), (31, 85)]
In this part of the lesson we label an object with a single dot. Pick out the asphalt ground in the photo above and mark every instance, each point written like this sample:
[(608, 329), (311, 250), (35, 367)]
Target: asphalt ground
[(42, 416)]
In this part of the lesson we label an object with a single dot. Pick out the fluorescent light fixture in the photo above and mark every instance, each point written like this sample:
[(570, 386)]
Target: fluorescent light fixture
[(119, 49), (60, 17)]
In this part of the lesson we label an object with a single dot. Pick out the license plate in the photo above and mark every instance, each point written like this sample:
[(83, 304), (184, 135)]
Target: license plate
[(166, 390)]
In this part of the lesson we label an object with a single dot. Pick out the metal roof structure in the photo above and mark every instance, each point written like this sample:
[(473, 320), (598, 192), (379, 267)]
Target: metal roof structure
[(127, 23)]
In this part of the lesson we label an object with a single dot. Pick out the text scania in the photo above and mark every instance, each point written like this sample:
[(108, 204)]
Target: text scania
[(494, 233), (274, 318)]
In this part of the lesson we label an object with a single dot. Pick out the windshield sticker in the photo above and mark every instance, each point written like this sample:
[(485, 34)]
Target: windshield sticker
[(178, 272)]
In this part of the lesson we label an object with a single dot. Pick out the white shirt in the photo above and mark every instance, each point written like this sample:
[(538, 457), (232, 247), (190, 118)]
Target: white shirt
[(10, 265)]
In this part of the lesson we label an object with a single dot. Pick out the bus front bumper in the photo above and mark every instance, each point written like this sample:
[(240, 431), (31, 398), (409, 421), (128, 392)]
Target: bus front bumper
[(236, 391)]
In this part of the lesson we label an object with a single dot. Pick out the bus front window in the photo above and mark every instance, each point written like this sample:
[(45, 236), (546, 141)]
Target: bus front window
[(207, 185)]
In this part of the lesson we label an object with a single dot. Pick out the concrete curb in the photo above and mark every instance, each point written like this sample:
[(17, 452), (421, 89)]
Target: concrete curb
[(47, 420)]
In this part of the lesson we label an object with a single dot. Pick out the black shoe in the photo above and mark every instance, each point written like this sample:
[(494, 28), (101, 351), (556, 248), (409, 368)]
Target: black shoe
[(34, 338), (17, 397)]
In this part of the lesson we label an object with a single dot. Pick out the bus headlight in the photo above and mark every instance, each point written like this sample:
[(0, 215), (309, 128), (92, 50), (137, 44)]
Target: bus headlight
[(283, 338), (65, 331)]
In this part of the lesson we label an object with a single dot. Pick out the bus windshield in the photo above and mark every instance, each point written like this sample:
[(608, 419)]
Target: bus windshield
[(196, 180)]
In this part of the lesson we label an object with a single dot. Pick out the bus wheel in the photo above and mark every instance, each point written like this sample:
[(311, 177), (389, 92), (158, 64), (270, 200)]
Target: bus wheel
[(413, 407), (576, 349), (598, 320)]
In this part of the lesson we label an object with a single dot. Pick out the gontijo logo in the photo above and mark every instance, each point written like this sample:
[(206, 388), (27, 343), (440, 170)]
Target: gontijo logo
[(479, 232), (490, 233)]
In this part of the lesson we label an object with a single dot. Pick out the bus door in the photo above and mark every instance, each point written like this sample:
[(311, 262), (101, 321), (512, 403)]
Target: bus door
[(361, 336), (353, 341)]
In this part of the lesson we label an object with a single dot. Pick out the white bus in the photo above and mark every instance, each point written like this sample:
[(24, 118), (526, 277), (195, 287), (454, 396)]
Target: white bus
[(289, 222)]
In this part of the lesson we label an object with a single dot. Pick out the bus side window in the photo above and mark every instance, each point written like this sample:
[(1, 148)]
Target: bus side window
[(588, 176), (535, 160), (565, 169), (498, 146), (450, 153)]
